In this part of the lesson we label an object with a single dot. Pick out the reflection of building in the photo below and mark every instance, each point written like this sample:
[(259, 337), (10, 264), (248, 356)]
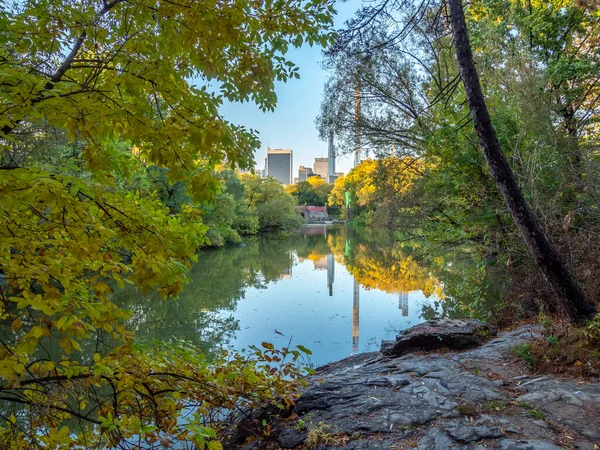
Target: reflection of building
[(314, 231), (278, 164), (403, 303), (330, 273), (304, 173), (321, 167), (355, 312), (287, 274), (320, 264)]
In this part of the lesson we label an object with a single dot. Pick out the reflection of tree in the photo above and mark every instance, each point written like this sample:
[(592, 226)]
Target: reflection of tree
[(389, 269), (218, 281), (376, 260), (472, 288)]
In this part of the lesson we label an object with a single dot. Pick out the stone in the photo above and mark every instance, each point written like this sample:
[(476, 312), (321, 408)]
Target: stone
[(436, 439), (532, 444), (383, 403), (439, 333), (291, 438), (593, 435), (466, 433)]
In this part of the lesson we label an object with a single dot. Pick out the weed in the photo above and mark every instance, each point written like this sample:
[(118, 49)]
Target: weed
[(467, 410), (524, 352), (496, 406), (531, 411), (592, 331), (318, 434)]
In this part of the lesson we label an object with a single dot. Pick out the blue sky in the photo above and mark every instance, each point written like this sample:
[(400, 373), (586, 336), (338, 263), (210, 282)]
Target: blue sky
[(292, 124)]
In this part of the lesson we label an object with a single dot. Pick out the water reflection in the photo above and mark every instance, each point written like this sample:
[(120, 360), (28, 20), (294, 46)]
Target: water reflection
[(334, 289)]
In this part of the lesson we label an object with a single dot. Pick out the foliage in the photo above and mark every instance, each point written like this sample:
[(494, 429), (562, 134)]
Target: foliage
[(524, 352), (565, 349), (592, 332), (274, 206), (538, 63), (381, 190), (314, 191), (110, 110)]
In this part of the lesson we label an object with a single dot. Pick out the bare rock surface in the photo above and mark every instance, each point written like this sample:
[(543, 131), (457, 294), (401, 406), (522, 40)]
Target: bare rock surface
[(439, 333), (477, 399)]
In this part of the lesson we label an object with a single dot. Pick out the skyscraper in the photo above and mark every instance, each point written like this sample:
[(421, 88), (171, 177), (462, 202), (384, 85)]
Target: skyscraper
[(321, 167), (331, 159), (304, 173), (278, 164)]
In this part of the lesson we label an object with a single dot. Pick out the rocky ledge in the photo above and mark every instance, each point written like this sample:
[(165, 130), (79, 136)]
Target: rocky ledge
[(475, 399)]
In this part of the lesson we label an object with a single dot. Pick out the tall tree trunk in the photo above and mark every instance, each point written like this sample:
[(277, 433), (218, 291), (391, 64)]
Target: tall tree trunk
[(569, 293)]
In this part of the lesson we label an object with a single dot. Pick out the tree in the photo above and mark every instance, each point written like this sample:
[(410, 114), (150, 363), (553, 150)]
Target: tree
[(274, 206), (380, 190), (569, 293), (435, 125), (313, 191), (147, 77)]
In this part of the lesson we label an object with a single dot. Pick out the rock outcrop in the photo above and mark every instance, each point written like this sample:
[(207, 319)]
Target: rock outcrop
[(477, 399), (439, 333)]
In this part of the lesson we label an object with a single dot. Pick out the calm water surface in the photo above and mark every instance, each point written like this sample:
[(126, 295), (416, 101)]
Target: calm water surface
[(333, 289)]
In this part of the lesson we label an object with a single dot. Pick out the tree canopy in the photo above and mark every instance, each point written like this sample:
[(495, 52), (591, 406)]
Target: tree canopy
[(115, 87), (539, 72)]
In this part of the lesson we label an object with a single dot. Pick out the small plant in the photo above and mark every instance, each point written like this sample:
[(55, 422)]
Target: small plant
[(536, 414), (592, 331), (524, 352), (531, 411), (318, 434), (467, 410), (300, 425), (553, 340), (496, 406), (543, 318)]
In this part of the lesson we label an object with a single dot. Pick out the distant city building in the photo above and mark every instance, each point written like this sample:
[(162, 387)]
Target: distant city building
[(296, 180), (278, 164), (334, 177), (304, 173), (321, 167)]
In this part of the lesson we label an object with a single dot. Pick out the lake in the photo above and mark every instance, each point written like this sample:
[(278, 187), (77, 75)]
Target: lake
[(334, 289)]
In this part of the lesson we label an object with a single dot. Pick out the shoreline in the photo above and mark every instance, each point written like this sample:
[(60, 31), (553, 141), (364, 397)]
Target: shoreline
[(472, 399)]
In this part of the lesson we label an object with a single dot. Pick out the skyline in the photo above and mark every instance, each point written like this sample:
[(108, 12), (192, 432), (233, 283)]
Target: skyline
[(292, 124)]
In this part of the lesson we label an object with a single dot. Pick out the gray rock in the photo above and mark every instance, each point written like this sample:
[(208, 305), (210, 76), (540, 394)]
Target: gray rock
[(436, 439), (593, 435), (532, 444), (392, 401), (439, 333), (291, 438), (466, 433)]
